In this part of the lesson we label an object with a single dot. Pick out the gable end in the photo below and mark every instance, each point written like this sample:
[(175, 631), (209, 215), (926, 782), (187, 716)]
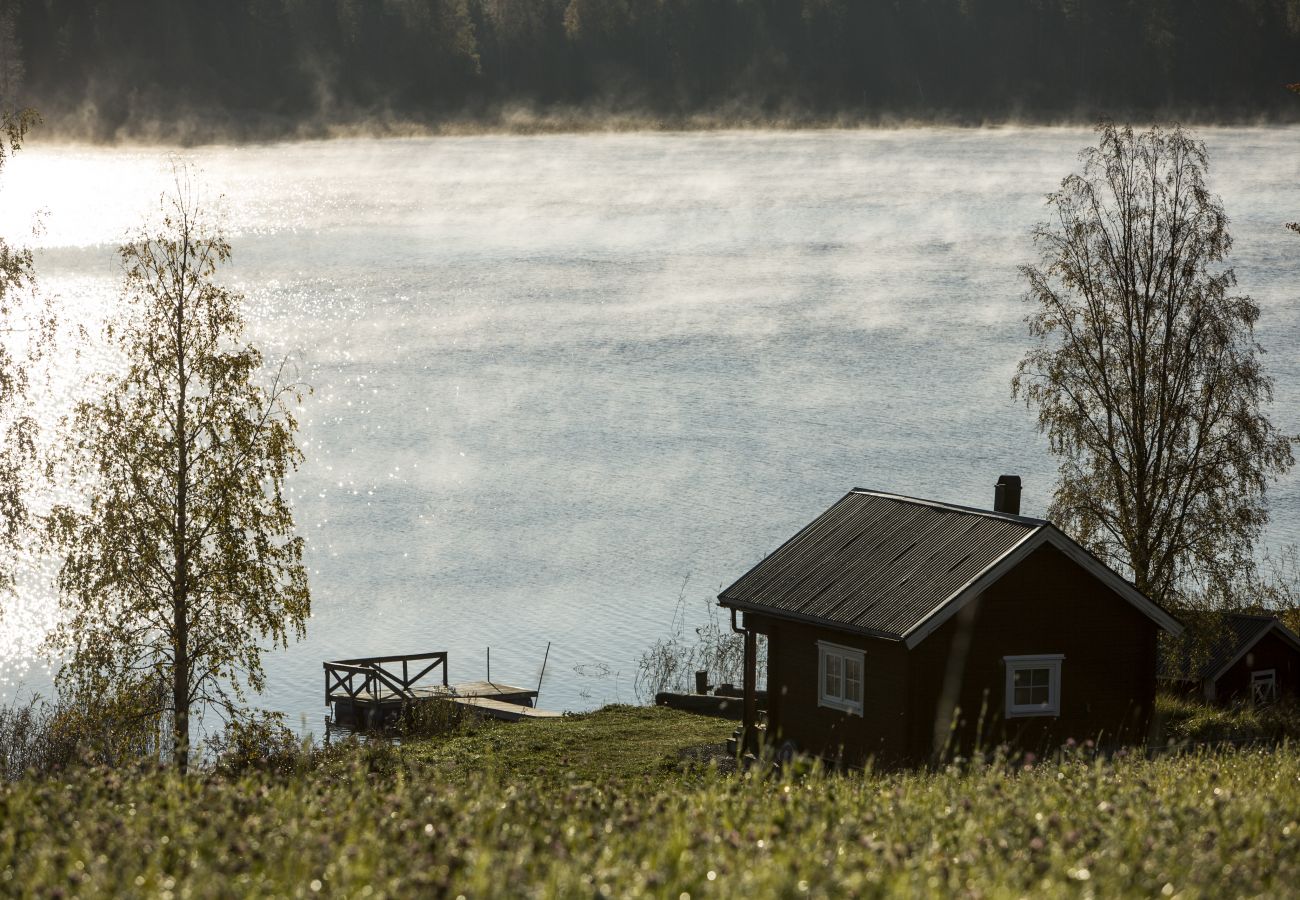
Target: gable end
[(1047, 534), (1282, 631)]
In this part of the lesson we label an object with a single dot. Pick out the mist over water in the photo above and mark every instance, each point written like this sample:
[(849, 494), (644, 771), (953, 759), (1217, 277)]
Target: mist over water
[(555, 376)]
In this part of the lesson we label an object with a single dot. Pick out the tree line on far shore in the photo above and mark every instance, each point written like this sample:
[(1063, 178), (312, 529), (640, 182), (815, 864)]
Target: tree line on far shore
[(111, 67)]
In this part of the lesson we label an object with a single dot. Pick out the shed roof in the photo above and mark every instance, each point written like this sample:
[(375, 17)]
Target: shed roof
[(1230, 637), (897, 567)]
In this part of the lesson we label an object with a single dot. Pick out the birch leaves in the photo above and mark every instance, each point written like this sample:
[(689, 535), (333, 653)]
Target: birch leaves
[(182, 565), (1145, 372)]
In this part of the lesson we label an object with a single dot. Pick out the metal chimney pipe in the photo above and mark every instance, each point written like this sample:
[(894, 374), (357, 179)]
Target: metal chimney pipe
[(1006, 496)]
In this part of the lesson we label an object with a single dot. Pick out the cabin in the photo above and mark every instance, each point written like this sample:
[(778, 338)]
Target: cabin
[(899, 629), (1234, 658)]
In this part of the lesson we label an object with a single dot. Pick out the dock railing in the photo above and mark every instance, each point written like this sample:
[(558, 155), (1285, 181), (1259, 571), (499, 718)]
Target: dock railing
[(369, 676)]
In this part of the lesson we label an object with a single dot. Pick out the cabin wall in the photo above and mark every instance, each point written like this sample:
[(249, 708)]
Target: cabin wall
[(1271, 652), (1047, 604), (793, 713)]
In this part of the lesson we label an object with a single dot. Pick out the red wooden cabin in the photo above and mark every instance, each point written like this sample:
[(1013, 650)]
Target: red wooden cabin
[(899, 628)]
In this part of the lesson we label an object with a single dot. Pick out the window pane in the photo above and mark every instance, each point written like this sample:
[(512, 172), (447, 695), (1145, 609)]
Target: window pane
[(852, 680), (833, 688), (1031, 686)]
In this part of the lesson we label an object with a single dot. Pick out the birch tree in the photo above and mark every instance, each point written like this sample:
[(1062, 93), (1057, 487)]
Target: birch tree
[(182, 566), (24, 334), (1145, 372)]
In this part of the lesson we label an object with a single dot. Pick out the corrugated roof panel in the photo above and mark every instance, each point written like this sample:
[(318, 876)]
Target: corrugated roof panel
[(879, 562)]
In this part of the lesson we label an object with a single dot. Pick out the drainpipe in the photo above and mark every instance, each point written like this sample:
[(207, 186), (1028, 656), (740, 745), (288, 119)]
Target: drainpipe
[(749, 707)]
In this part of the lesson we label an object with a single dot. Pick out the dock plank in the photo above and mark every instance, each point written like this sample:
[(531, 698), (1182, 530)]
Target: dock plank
[(502, 710), (462, 689)]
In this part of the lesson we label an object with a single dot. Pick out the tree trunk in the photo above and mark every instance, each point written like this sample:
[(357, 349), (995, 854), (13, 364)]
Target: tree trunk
[(181, 680), (180, 579)]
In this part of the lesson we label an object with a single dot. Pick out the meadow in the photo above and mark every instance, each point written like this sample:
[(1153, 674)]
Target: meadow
[(631, 802)]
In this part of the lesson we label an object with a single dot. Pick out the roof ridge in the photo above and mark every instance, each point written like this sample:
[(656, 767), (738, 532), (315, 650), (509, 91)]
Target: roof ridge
[(953, 507)]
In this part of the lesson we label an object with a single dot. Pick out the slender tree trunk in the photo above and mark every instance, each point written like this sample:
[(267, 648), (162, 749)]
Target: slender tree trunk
[(180, 585), (181, 674)]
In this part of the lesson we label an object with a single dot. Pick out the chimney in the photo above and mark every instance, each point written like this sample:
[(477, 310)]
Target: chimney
[(1006, 496)]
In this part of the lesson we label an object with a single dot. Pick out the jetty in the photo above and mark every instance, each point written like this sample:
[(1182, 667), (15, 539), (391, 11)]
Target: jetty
[(371, 692)]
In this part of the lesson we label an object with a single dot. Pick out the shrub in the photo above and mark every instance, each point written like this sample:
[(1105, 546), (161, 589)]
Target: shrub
[(671, 662), (259, 743), (43, 737)]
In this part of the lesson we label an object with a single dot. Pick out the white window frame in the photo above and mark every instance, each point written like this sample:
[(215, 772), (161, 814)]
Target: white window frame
[(1260, 677), (844, 654), (1051, 662)]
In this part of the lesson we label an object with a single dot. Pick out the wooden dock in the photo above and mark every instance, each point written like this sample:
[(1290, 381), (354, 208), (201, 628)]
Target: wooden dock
[(372, 692)]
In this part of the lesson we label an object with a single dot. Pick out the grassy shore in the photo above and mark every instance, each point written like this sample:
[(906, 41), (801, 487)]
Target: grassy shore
[(618, 803)]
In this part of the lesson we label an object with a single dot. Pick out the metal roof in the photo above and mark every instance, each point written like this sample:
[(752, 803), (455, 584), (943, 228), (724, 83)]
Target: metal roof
[(899, 567), (1217, 642), (880, 563)]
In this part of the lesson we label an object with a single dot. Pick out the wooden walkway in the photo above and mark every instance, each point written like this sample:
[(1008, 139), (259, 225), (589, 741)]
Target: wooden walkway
[(372, 692)]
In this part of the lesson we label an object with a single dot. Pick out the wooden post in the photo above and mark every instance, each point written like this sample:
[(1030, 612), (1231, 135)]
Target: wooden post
[(750, 709)]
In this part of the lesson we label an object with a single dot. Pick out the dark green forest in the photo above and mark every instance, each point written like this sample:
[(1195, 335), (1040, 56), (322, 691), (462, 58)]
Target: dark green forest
[(111, 68)]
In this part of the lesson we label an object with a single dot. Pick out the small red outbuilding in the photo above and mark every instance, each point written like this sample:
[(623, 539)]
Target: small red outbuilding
[(1242, 658), (899, 627)]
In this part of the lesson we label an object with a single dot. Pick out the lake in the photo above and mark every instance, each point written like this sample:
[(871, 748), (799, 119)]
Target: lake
[(562, 381)]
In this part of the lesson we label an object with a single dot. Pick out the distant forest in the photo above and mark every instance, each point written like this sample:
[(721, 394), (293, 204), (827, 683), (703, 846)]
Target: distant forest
[(119, 67)]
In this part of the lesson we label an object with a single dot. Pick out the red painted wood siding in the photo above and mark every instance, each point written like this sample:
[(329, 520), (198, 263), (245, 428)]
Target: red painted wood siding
[(1047, 604), (793, 711)]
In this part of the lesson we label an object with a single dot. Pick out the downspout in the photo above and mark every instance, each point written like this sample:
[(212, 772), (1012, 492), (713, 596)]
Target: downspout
[(749, 706)]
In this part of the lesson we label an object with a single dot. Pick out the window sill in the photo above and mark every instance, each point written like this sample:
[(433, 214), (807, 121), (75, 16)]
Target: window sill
[(1033, 713), (853, 709)]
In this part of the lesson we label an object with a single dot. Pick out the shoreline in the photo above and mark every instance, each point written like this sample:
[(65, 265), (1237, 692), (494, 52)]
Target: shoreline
[(190, 130)]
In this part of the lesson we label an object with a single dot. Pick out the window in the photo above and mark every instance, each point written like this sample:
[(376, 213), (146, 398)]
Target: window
[(839, 677), (1263, 686), (1033, 685)]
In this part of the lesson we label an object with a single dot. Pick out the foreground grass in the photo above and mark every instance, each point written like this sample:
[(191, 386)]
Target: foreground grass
[(616, 742), (427, 820), (1192, 721)]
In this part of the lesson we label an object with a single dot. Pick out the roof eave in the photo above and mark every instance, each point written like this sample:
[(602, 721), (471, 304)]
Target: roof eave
[(804, 618)]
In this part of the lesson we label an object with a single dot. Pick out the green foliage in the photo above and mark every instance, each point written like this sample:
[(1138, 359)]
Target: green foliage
[(1145, 373), (182, 567), (258, 743), (42, 738), (17, 315), (1193, 826)]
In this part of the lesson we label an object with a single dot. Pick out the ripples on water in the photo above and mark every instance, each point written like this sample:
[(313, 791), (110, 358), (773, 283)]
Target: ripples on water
[(556, 375)]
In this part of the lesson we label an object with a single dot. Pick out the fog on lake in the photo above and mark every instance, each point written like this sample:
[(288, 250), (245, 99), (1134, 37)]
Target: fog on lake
[(556, 378)]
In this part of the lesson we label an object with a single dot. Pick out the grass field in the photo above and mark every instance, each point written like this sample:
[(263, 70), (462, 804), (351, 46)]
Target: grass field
[(614, 803)]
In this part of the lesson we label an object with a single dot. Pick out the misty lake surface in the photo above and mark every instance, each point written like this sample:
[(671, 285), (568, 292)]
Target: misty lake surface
[(557, 378)]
